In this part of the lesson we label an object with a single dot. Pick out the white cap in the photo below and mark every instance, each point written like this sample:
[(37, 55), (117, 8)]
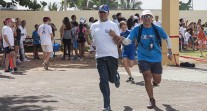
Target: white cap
[(135, 17), (82, 20), (146, 12)]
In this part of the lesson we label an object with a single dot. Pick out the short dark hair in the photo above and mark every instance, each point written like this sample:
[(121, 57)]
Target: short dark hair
[(45, 19), (73, 16), (118, 14)]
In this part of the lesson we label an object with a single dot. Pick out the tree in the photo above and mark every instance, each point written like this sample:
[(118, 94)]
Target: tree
[(130, 4), (113, 4), (185, 6), (53, 6), (31, 4), (69, 3)]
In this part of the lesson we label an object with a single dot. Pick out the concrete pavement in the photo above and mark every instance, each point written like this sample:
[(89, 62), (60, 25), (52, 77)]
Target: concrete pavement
[(64, 88)]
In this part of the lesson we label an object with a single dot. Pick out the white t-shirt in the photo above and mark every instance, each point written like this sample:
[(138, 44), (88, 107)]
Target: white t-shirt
[(23, 33), (158, 23), (105, 46), (6, 30), (45, 32), (187, 36), (182, 31)]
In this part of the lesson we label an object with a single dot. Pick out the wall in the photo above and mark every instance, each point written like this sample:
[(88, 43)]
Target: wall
[(35, 17)]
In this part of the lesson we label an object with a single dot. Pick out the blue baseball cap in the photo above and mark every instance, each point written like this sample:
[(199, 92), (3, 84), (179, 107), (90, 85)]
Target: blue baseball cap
[(104, 8)]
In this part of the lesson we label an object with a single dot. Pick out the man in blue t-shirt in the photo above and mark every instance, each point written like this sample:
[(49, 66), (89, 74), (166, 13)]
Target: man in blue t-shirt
[(36, 42), (149, 51)]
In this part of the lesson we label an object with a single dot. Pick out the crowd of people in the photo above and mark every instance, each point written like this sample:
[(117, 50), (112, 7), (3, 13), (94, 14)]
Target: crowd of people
[(192, 35), (136, 38)]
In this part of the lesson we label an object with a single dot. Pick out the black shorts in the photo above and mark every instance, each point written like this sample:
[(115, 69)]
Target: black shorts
[(36, 46), (81, 40), (16, 42), (154, 67), (7, 50)]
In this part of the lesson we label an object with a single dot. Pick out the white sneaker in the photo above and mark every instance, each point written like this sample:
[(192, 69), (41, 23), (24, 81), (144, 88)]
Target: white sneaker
[(18, 61), (26, 60)]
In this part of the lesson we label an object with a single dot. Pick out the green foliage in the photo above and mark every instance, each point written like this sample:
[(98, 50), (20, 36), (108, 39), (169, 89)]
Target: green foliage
[(88, 5), (31, 4), (52, 6), (130, 4), (185, 6)]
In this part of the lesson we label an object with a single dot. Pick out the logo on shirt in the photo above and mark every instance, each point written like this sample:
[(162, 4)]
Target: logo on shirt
[(43, 31), (147, 36), (107, 30)]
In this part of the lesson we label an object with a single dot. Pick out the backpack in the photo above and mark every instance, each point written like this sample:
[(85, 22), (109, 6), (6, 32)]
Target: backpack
[(81, 34), (159, 41)]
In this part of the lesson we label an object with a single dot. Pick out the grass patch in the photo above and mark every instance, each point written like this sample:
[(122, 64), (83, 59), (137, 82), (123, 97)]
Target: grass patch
[(194, 54)]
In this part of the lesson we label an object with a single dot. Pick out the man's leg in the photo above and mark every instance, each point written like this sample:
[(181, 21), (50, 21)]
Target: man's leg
[(156, 73), (148, 83), (104, 84), (13, 55), (145, 68), (156, 79), (22, 49), (52, 54), (112, 64), (47, 57), (7, 61)]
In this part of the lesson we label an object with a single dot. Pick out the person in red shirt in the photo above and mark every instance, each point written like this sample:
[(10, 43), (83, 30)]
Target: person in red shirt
[(201, 40)]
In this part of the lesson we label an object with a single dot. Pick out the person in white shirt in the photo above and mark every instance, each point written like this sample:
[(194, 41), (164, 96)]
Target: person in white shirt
[(106, 53), (157, 22), (186, 39), (46, 36), (23, 37), (182, 35), (8, 44)]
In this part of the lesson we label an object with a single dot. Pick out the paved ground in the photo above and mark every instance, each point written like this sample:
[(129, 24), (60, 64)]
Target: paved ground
[(73, 86)]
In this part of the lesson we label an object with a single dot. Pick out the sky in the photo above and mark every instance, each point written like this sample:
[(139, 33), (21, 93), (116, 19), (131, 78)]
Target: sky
[(155, 4)]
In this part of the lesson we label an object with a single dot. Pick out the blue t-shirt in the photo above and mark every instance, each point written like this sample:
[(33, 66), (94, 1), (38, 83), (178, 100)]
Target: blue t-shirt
[(36, 37), (148, 36), (131, 46)]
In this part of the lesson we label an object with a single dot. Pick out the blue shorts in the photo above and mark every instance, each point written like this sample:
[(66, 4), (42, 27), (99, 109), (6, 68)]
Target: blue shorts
[(129, 54), (75, 44)]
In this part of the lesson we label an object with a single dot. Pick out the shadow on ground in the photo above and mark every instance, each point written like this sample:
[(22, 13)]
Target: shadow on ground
[(140, 83), (26, 103), (88, 62), (169, 107), (127, 108), (6, 77)]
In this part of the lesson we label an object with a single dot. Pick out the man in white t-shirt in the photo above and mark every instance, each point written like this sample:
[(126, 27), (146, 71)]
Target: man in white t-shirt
[(8, 43), (46, 36), (182, 30), (157, 22), (23, 37), (106, 53)]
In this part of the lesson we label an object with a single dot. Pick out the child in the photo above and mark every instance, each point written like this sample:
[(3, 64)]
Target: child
[(186, 38), (81, 38), (36, 42), (128, 51), (201, 39), (75, 38)]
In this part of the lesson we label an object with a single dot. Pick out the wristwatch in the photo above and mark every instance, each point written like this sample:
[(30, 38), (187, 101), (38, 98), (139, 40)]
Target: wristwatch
[(169, 53)]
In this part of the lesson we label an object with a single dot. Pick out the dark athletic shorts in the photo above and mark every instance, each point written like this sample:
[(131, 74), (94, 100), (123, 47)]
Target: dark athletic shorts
[(7, 50), (154, 67)]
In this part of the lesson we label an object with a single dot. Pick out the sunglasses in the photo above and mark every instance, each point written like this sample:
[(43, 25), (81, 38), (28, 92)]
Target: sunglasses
[(147, 16), (102, 12)]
